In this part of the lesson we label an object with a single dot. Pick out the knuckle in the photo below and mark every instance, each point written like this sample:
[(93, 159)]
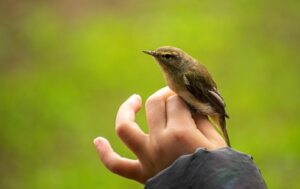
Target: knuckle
[(174, 102), (153, 102), (109, 162), (172, 98), (179, 135), (113, 167), (121, 127)]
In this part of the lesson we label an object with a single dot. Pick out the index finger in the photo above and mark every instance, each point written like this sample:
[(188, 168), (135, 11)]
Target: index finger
[(126, 127), (128, 109)]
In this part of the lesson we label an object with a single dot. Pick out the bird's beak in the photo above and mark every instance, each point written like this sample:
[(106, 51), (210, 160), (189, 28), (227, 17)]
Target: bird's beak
[(152, 53)]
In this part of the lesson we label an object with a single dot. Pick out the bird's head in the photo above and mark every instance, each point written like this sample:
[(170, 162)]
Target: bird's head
[(171, 58)]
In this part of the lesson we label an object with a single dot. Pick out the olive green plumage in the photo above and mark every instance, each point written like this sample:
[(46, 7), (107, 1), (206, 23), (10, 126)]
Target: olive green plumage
[(193, 83)]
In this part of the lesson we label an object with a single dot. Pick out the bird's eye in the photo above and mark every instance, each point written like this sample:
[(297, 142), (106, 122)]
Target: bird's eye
[(167, 56)]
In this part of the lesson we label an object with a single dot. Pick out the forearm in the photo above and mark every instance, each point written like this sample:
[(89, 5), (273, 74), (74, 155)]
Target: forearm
[(222, 168)]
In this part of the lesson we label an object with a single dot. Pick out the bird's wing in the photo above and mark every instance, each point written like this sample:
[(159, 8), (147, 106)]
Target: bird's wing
[(204, 92)]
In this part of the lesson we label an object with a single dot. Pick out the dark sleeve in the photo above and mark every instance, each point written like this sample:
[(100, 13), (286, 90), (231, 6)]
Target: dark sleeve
[(224, 168)]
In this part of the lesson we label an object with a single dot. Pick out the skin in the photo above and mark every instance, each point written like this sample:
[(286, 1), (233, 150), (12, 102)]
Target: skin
[(170, 124)]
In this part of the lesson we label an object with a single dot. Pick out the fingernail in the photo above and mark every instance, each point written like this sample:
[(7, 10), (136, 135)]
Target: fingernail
[(135, 97), (97, 141)]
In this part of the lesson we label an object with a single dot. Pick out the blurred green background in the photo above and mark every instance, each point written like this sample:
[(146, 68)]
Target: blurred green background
[(66, 66)]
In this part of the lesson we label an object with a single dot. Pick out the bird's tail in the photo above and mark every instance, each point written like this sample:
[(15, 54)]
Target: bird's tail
[(220, 120)]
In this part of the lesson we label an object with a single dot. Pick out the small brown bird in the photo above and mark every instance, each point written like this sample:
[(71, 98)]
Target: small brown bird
[(193, 83)]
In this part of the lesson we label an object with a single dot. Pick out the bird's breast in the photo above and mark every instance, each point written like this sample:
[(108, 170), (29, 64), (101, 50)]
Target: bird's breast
[(201, 107)]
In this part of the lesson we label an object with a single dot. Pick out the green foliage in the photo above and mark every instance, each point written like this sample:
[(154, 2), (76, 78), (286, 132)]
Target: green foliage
[(64, 72)]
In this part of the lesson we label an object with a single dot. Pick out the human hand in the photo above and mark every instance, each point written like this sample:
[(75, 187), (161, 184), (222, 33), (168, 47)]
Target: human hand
[(173, 132)]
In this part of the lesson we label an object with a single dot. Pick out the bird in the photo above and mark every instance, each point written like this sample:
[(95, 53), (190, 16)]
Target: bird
[(191, 81)]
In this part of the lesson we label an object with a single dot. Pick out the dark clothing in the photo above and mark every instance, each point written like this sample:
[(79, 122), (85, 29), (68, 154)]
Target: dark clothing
[(224, 168)]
